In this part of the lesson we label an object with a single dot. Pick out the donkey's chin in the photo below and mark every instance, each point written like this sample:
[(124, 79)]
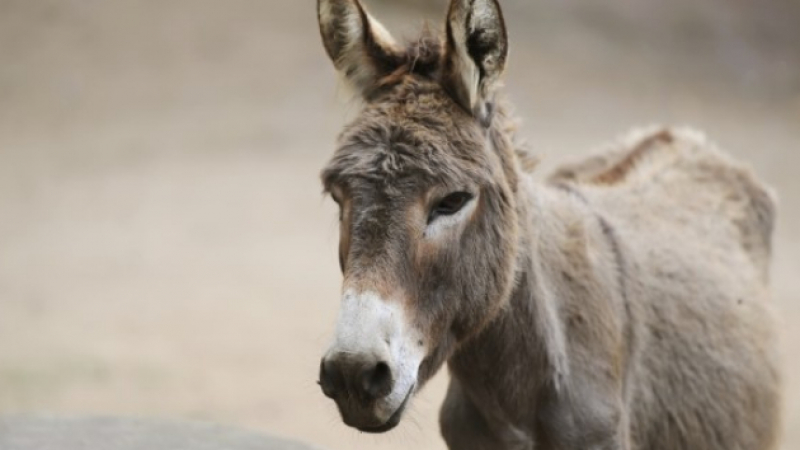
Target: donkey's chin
[(389, 424)]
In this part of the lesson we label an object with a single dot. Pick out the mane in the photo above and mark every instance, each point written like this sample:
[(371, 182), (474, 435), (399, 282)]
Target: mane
[(421, 56)]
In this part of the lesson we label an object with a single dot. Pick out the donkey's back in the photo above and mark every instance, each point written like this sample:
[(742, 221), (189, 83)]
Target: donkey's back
[(694, 229)]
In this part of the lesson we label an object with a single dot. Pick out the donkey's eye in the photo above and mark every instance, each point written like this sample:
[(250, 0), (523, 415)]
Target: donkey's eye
[(449, 205)]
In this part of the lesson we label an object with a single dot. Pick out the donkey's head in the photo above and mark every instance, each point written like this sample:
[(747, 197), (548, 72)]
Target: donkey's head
[(425, 181)]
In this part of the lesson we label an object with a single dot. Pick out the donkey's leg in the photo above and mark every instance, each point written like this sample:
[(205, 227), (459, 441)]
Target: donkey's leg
[(464, 427)]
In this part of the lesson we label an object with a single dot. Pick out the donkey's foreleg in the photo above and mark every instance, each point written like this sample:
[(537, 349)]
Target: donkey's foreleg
[(465, 427)]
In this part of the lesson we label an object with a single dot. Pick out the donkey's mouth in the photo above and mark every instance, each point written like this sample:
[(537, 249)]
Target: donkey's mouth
[(394, 420)]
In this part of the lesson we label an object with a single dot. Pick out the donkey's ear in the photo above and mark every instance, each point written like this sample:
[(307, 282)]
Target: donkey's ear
[(475, 54), (359, 46)]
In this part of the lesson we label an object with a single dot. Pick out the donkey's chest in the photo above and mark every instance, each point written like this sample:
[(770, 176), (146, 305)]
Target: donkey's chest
[(507, 397)]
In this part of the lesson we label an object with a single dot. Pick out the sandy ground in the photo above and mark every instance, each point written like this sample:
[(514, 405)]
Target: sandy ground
[(164, 247)]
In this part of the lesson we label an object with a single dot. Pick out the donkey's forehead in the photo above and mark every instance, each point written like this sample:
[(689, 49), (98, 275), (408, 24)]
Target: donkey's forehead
[(400, 159), (411, 135)]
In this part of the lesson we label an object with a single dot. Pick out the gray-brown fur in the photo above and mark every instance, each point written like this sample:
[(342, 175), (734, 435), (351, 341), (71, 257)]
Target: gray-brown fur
[(621, 305)]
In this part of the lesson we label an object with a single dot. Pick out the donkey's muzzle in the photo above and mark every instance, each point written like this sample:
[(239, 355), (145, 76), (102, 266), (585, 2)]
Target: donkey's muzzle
[(371, 368), (365, 380)]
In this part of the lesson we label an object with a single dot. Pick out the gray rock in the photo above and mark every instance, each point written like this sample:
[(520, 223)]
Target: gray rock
[(114, 433)]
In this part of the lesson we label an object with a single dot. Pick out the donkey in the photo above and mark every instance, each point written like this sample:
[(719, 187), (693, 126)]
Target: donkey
[(620, 303)]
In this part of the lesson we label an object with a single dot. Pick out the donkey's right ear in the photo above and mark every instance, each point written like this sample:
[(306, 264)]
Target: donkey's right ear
[(360, 47)]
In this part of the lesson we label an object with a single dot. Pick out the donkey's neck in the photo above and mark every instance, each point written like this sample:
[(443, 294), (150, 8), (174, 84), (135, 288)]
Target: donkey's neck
[(526, 340)]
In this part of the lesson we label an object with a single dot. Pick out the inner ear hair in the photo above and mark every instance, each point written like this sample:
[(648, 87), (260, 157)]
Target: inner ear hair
[(361, 48), (475, 54)]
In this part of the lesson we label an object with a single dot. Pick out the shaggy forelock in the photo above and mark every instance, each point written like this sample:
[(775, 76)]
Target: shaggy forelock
[(414, 130)]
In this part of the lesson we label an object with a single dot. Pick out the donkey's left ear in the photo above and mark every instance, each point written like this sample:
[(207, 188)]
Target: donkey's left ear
[(475, 54), (360, 47)]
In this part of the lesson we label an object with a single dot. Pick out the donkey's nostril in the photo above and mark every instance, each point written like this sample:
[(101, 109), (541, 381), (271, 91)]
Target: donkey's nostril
[(329, 379), (377, 381), (340, 376)]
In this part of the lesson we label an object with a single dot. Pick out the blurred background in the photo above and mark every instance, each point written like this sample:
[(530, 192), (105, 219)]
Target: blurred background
[(165, 249)]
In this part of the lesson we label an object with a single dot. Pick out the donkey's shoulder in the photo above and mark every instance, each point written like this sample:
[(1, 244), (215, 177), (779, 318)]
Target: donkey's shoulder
[(658, 168)]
